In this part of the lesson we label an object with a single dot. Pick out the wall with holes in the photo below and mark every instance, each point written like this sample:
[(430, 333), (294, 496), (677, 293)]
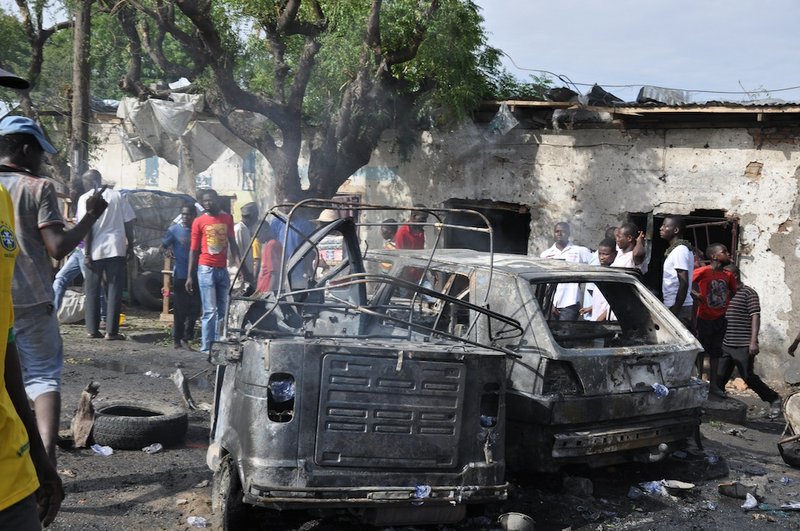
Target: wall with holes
[(594, 177)]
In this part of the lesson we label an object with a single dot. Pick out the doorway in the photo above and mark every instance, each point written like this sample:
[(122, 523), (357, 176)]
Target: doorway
[(703, 227), (511, 224)]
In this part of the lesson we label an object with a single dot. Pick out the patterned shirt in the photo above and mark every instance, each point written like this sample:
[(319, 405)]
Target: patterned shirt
[(210, 236), (743, 306)]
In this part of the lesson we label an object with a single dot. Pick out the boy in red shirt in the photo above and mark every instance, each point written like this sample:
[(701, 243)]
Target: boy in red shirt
[(212, 234), (712, 289), (412, 235)]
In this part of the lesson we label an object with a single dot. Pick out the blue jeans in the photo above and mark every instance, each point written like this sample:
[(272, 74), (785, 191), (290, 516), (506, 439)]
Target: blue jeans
[(40, 349), (214, 284), (73, 267)]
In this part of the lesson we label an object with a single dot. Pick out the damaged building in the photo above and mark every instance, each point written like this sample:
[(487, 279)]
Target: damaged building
[(731, 168)]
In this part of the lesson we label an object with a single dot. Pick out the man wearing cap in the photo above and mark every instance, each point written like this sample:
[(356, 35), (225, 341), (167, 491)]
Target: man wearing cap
[(29, 485), (243, 235), (41, 234)]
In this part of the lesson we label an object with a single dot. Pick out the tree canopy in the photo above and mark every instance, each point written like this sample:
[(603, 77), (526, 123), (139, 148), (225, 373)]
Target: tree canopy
[(334, 74)]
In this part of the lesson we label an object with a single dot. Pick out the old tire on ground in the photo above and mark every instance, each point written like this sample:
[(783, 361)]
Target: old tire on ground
[(134, 425), (147, 289), (228, 509)]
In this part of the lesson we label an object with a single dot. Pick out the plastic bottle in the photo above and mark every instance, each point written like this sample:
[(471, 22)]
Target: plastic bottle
[(153, 448), (660, 390)]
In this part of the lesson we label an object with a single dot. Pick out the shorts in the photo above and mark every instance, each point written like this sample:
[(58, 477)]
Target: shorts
[(41, 351), (22, 516), (710, 333)]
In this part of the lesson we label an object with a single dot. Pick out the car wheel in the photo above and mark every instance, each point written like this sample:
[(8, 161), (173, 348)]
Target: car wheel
[(134, 425), (227, 498)]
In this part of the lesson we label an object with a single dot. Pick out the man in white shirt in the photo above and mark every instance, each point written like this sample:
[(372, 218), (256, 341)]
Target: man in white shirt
[(107, 247), (567, 297), (243, 234), (630, 245), (678, 269)]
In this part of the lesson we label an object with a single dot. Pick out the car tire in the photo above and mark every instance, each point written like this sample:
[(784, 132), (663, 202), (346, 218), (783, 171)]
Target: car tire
[(147, 289), (228, 509), (134, 425)]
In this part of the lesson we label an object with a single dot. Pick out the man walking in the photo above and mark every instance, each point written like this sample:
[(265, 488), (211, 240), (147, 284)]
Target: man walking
[(108, 246), (41, 234), (740, 346), (678, 269), (212, 234), (567, 297), (175, 244)]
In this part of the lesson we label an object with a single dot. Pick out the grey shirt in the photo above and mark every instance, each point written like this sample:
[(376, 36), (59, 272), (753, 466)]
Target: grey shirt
[(35, 207)]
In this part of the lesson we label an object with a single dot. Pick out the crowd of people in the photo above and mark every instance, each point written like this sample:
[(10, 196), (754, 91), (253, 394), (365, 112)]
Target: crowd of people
[(710, 300)]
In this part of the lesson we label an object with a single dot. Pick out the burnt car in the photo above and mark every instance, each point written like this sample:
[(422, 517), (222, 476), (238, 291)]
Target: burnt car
[(324, 401), (581, 392)]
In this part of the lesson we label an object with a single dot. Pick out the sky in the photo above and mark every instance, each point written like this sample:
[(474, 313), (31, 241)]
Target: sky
[(696, 45)]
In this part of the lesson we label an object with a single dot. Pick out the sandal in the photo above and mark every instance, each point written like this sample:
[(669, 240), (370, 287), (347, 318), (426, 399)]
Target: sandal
[(115, 337)]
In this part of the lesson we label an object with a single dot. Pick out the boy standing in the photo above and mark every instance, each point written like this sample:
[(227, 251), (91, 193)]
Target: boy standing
[(175, 245), (630, 241), (600, 310), (740, 346), (712, 287), (678, 269)]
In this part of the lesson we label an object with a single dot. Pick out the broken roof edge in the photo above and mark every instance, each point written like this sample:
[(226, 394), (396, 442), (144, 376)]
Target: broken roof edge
[(637, 108)]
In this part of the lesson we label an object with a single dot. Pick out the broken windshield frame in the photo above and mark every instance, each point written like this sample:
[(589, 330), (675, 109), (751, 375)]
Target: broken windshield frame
[(342, 290)]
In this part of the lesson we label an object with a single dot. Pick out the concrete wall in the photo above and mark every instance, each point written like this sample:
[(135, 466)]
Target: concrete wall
[(594, 177)]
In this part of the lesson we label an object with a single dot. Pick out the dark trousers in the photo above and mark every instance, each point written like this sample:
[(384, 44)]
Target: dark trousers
[(567, 313), (740, 358), (186, 310), (710, 333), (114, 271)]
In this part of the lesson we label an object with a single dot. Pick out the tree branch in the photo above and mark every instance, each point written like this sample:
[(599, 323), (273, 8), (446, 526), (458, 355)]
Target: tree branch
[(409, 52)]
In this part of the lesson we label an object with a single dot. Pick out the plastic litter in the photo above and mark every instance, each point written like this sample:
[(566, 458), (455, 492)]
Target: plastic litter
[(197, 521), (786, 481), (105, 451), (634, 493), (153, 448), (750, 502), (791, 506), (708, 505), (654, 488), (487, 421), (282, 389), (660, 390), (736, 490), (152, 374), (503, 122), (422, 491)]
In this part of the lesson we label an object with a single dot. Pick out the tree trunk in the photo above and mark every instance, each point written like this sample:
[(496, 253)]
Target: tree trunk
[(79, 138)]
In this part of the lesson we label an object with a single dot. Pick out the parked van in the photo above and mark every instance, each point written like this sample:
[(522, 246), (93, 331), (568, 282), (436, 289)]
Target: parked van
[(323, 401), (581, 392)]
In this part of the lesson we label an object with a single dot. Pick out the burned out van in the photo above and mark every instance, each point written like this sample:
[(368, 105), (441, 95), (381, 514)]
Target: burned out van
[(324, 401), (580, 392)]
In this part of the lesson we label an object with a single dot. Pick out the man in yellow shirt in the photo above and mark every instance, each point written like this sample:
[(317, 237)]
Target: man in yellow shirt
[(28, 477)]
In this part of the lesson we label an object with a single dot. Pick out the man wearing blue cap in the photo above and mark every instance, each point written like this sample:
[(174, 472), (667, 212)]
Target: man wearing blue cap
[(41, 234), (30, 489)]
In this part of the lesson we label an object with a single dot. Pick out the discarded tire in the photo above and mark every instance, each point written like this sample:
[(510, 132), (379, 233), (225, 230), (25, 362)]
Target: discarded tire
[(147, 289), (133, 425)]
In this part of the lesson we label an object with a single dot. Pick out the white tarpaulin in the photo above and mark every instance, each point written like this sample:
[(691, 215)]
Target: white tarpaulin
[(177, 131)]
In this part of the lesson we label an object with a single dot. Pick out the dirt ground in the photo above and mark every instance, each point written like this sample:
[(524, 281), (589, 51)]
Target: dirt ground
[(134, 490)]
